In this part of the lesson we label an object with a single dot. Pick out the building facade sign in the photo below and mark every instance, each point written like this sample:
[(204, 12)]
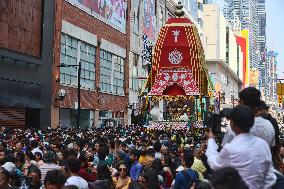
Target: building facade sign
[(150, 19), (254, 77), (112, 12)]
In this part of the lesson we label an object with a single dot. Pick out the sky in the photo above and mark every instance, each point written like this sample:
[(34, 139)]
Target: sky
[(274, 30)]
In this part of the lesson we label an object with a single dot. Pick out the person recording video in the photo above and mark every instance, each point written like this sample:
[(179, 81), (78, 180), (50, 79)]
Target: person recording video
[(246, 152)]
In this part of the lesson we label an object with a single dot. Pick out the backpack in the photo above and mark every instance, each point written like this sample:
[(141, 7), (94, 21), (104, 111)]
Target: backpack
[(189, 180)]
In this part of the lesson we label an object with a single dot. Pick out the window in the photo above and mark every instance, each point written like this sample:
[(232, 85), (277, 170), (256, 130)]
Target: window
[(111, 73), (74, 52), (105, 71), (68, 75), (118, 77), (87, 58)]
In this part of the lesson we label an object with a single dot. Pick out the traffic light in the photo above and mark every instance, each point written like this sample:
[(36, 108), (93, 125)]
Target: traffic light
[(210, 94), (280, 99)]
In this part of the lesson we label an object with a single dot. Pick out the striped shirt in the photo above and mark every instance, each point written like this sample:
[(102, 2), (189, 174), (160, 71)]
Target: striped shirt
[(47, 167)]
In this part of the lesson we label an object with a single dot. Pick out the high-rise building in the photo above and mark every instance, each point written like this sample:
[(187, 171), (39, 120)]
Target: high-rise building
[(262, 42), (262, 24), (271, 78), (247, 11)]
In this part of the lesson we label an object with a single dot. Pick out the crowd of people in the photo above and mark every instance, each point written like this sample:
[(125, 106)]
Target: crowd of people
[(134, 157)]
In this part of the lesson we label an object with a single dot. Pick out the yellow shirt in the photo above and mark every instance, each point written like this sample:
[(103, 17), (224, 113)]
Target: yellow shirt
[(199, 167), (142, 160), (116, 181)]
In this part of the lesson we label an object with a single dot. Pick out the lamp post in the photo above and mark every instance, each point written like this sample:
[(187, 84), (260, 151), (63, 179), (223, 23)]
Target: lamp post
[(61, 95), (78, 89)]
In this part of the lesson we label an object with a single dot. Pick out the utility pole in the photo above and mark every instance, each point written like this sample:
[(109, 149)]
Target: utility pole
[(79, 95), (78, 89)]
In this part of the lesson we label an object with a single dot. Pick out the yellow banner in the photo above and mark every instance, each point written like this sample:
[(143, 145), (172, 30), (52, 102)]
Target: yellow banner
[(280, 89)]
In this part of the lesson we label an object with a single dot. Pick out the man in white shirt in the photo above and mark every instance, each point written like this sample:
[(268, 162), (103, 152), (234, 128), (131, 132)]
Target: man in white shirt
[(262, 128), (248, 154), (74, 166)]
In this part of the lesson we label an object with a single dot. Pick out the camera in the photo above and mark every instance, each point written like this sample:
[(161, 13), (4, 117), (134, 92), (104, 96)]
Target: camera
[(215, 120)]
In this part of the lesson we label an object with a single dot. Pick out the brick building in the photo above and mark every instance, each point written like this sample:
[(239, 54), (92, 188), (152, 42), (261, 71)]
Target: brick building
[(97, 37), (25, 62)]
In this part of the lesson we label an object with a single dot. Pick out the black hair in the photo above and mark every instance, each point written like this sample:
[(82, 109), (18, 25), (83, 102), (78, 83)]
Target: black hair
[(5, 172), (188, 158), (143, 152), (250, 97), (202, 185), (20, 156), (151, 152), (54, 177), (34, 144), (227, 178), (102, 153), (70, 187), (243, 117), (135, 153), (34, 169), (157, 165), (136, 185), (104, 173), (10, 157), (38, 154), (151, 176), (121, 163), (50, 156), (168, 160), (112, 144), (70, 153), (83, 157), (30, 155), (123, 144), (157, 146), (74, 165)]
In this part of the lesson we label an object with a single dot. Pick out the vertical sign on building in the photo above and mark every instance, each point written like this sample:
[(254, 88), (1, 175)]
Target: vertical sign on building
[(149, 32), (149, 19), (254, 77)]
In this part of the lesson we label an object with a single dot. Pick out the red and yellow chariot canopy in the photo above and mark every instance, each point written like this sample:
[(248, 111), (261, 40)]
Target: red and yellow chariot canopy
[(178, 64)]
